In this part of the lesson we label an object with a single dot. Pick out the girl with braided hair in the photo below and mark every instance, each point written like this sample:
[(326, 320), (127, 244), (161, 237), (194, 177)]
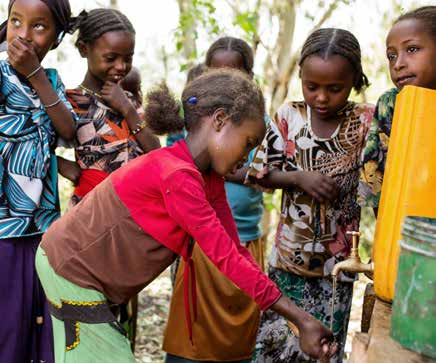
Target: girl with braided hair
[(110, 127), (130, 227), (110, 130), (227, 318), (312, 151), (411, 53), (33, 114)]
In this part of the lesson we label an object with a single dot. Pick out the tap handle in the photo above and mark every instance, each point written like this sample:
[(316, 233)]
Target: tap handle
[(355, 235)]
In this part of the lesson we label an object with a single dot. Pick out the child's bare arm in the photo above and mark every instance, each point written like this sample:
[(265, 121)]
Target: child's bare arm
[(69, 169), (115, 97), (239, 176), (24, 60), (319, 186)]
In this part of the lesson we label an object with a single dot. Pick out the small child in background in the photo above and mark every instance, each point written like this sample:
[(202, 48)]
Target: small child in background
[(312, 150), (110, 130), (132, 83), (227, 319), (411, 53), (33, 114), (133, 224)]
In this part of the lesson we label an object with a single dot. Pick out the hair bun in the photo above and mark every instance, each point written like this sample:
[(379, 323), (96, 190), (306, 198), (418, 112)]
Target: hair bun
[(77, 21)]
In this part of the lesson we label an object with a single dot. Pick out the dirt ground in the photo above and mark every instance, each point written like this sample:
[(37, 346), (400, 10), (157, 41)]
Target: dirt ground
[(153, 310)]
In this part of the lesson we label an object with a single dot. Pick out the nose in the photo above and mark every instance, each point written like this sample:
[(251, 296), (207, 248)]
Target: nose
[(399, 62), (24, 33), (121, 66), (322, 97)]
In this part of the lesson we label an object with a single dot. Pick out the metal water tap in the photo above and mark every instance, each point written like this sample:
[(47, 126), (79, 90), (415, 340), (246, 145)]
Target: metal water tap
[(353, 262)]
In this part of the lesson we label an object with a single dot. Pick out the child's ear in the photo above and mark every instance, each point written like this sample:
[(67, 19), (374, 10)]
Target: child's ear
[(83, 49), (220, 118)]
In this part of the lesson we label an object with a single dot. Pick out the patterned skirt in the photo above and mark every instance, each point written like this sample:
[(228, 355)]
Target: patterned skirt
[(275, 340)]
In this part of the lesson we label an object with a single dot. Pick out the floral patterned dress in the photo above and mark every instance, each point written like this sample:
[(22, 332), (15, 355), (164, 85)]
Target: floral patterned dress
[(103, 142), (311, 237)]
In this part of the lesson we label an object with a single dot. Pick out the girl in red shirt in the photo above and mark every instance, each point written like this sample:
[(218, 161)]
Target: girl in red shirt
[(133, 224)]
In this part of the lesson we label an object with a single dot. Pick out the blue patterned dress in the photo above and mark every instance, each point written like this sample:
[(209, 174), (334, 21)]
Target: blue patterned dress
[(28, 205)]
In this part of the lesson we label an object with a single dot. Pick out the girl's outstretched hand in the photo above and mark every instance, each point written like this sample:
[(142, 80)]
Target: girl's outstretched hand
[(315, 339), (114, 96), (319, 186), (22, 56)]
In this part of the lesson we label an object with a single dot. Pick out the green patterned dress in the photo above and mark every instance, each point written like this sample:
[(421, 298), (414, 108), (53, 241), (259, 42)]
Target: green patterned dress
[(376, 149)]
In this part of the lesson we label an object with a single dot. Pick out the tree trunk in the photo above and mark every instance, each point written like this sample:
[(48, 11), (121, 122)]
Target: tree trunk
[(188, 28), (277, 64), (286, 60)]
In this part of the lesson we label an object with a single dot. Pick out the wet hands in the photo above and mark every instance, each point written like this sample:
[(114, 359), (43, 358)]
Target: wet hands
[(115, 98), (316, 340), (320, 187), (22, 56)]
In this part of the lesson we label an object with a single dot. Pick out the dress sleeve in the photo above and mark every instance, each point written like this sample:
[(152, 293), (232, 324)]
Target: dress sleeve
[(271, 153), (60, 90), (375, 152), (185, 201)]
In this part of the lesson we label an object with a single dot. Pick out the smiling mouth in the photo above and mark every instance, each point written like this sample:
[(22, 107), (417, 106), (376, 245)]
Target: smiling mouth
[(116, 78), (402, 81)]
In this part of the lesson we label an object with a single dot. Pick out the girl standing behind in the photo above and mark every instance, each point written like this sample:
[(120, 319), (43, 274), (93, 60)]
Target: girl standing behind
[(227, 318), (110, 132), (33, 113), (411, 51), (312, 151), (131, 226)]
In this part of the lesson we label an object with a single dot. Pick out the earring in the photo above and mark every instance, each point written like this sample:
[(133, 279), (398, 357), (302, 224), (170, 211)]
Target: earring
[(60, 37)]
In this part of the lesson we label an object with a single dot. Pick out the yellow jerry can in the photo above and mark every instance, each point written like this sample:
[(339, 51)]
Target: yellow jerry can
[(409, 183)]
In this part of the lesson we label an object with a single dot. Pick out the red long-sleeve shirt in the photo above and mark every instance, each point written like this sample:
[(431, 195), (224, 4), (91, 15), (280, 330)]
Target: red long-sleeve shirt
[(125, 231)]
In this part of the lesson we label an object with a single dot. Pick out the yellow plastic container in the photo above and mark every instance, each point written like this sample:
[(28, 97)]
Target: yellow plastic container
[(409, 184)]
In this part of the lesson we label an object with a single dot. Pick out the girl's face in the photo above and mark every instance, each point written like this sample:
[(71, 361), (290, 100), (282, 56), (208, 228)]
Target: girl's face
[(32, 21), (231, 143), (411, 53), (326, 84), (109, 56), (227, 59)]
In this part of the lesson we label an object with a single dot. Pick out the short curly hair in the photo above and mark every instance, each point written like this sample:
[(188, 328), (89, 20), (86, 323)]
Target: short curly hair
[(229, 89)]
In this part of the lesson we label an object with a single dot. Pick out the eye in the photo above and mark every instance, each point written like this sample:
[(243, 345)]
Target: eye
[(39, 27), (128, 59), (311, 87), (391, 56), (335, 89), (109, 59), (15, 21), (412, 49)]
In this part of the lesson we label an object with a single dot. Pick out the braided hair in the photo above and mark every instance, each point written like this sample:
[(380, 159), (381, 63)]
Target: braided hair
[(234, 45), (332, 41), (426, 15), (225, 88), (101, 21)]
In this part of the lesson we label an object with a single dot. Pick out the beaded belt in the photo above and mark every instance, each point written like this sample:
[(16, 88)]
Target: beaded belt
[(74, 312)]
